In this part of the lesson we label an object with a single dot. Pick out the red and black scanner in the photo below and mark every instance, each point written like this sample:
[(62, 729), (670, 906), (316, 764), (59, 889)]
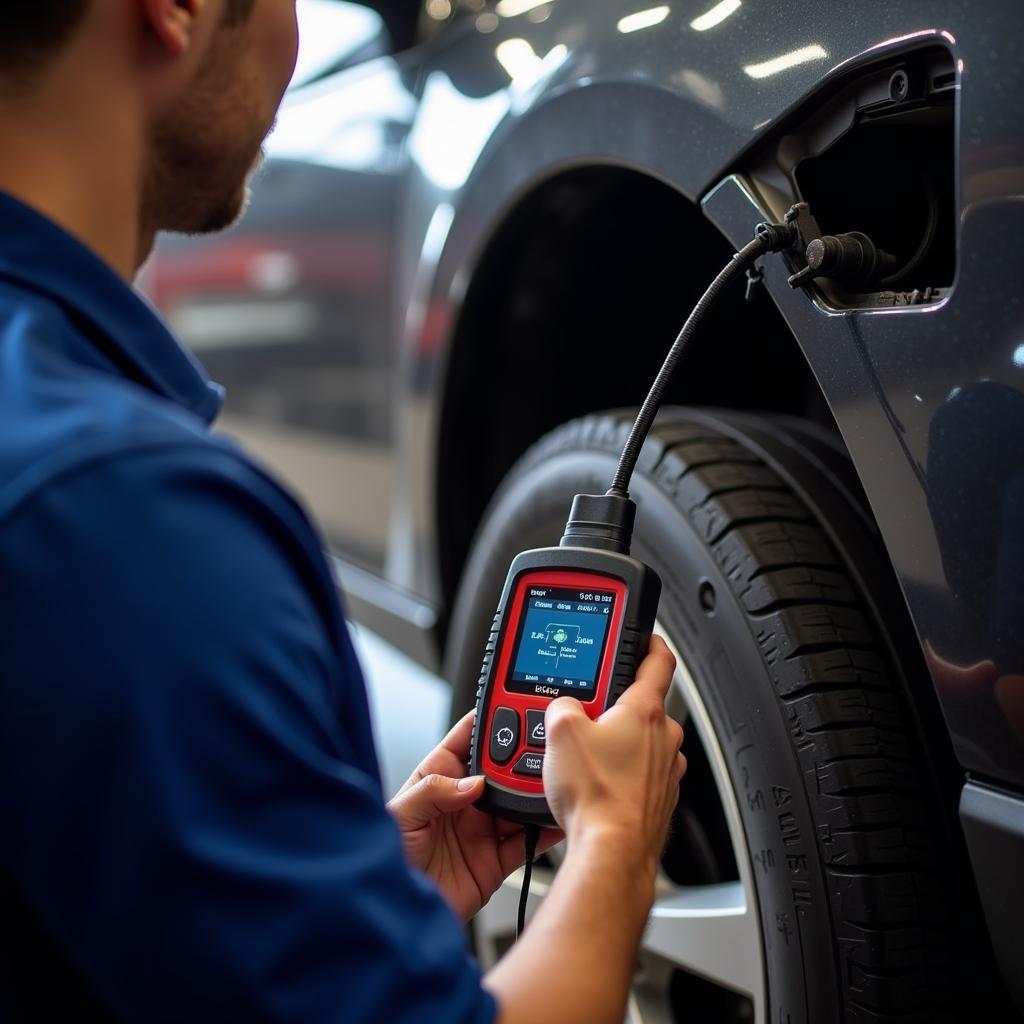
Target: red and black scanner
[(576, 620), (572, 621)]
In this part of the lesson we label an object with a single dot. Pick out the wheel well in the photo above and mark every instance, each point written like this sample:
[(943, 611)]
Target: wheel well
[(571, 310)]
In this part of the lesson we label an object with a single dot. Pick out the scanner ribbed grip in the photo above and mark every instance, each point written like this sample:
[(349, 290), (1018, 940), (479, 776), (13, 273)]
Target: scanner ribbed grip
[(489, 649)]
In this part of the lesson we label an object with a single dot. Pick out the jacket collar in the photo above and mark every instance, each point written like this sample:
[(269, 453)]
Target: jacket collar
[(39, 255)]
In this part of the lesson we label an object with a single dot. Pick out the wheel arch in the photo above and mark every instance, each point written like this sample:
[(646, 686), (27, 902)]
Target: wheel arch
[(589, 274)]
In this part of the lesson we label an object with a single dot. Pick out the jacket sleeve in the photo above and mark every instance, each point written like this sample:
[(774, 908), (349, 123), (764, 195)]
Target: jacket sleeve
[(188, 804)]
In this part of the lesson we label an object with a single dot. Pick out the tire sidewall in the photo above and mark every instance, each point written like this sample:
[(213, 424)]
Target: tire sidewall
[(733, 677)]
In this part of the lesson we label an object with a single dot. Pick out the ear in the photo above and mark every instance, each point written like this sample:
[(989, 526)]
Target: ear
[(172, 22)]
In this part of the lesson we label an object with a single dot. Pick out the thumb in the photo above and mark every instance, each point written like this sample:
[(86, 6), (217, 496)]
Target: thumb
[(433, 796), (562, 714)]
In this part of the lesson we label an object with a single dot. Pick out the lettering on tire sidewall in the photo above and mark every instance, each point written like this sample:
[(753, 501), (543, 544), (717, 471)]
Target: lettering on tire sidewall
[(776, 818)]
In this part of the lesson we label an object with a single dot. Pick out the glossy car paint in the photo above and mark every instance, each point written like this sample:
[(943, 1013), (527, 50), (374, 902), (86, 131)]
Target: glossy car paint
[(420, 158), (683, 105)]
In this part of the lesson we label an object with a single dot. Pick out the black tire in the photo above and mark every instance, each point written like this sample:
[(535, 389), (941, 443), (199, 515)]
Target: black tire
[(772, 589)]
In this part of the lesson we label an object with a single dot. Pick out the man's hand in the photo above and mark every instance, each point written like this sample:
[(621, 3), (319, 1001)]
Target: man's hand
[(621, 773), (612, 784), (468, 853)]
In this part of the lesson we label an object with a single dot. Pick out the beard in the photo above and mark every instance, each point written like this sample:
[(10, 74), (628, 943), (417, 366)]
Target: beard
[(202, 152)]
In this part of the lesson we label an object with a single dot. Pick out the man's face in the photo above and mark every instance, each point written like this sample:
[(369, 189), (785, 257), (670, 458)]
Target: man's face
[(202, 151)]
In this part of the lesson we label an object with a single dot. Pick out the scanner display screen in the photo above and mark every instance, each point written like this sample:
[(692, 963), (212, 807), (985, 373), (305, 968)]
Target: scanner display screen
[(561, 638)]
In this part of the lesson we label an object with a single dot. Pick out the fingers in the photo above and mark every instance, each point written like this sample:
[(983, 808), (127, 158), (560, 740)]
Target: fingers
[(562, 714), (503, 829), (654, 677), (458, 739), (433, 796), (449, 756)]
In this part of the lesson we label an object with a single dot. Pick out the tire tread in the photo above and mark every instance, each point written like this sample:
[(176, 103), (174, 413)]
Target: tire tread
[(832, 680), (838, 690)]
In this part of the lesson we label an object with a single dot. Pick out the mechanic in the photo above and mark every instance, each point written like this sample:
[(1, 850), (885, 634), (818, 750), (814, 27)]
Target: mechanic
[(192, 825)]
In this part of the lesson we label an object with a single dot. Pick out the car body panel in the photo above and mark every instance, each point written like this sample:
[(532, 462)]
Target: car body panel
[(673, 106), (494, 106)]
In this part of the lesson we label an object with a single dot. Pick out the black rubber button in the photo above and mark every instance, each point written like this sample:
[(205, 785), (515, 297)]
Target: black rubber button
[(504, 735), (529, 764), (535, 735)]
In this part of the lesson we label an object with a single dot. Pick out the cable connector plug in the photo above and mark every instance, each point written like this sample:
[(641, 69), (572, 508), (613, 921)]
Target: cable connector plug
[(600, 521), (851, 258)]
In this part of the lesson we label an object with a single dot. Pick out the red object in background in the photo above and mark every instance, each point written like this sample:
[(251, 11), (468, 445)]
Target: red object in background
[(346, 262)]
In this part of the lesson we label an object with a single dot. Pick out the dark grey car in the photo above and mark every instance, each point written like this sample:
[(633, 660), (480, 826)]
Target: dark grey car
[(478, 230)]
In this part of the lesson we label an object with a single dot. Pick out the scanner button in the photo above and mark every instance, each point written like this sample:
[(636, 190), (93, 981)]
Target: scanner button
[(535, 735), (504, 735), (529, 764)]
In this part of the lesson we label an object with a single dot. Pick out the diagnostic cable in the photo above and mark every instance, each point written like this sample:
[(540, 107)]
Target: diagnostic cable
[(576, 620)]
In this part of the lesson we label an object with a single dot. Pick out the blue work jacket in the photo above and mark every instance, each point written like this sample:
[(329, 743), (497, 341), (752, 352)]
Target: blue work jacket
[(192, 826)]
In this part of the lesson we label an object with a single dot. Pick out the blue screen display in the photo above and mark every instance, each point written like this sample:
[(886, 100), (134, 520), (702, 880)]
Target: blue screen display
[(561, 639)]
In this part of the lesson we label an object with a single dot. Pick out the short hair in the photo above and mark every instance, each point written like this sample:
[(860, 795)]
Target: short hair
[(34, 31)]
